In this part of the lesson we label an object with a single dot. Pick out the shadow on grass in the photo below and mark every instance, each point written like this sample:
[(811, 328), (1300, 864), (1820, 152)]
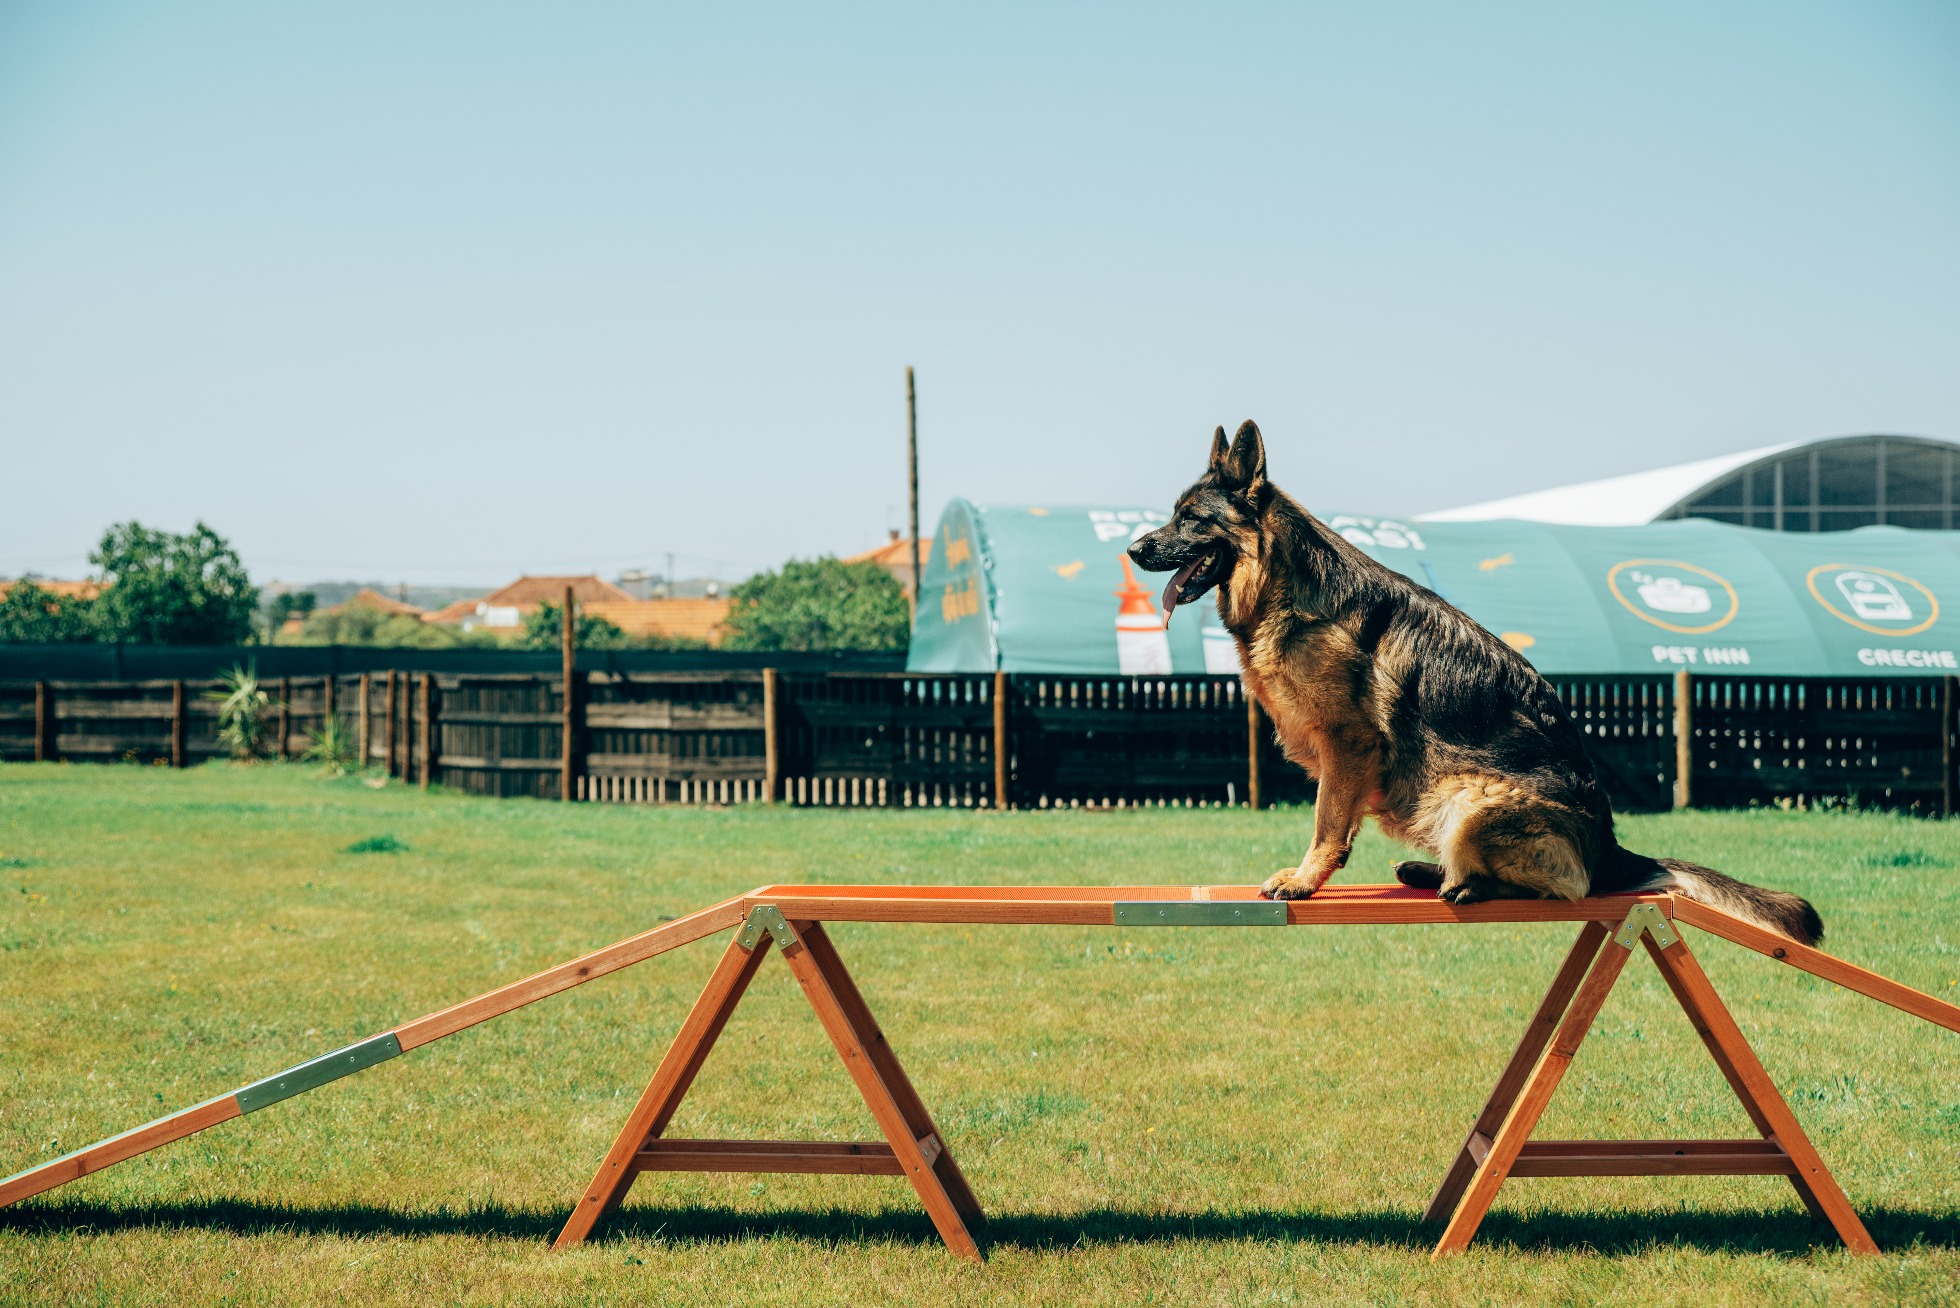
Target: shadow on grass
[(1606, 1232)]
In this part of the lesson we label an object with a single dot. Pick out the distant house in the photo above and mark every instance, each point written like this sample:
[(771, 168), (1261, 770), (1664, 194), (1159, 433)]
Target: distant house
[(369, 598), (506, 609), (672, 619), (87, 590), (895, 557), (365, 598)]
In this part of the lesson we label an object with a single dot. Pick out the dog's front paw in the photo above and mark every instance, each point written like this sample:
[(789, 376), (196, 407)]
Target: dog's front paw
[(1286, 884)]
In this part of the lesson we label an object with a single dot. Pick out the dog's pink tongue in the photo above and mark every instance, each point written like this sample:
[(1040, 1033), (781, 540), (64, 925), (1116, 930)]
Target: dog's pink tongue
[(1176, 585)]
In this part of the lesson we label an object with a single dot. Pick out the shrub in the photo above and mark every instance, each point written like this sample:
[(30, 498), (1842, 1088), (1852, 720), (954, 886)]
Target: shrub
[(820, 604), (242, 706)]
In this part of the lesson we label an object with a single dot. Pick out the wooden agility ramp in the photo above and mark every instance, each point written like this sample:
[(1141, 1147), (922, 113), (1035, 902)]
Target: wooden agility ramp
[(791, 919)]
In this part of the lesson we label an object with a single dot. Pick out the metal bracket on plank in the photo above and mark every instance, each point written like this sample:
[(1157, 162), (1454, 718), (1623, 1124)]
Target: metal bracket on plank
[(1648, 918), (317, 1072), (766, 919), (1183, 912)]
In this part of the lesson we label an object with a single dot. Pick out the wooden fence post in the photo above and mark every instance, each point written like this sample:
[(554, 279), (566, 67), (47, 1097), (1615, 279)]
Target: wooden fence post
[(285, 717), (407, 759), (44, 747), (1001, 797), (568, 646), (367, 706), (428, 742), (177, 725), (1253, 734), (1946, 746), (393, 678), (772, 758), (1684, 739), (328, 703)]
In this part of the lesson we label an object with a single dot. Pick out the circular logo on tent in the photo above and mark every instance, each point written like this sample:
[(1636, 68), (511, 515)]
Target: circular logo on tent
[(1871, 599), (1674, 596)]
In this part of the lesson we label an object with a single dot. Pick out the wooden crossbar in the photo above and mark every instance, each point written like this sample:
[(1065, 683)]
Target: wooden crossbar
[(790, 917), (842, 1157), (1651, 1158)]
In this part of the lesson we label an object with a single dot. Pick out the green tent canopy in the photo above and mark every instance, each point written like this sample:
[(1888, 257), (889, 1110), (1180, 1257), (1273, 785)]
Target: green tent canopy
[(1047, 589)]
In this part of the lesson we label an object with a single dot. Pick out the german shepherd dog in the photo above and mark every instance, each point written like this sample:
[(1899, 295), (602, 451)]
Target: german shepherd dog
[(1399, 705)]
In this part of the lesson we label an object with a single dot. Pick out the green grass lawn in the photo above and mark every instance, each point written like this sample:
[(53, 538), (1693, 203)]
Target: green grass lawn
[(1176, 1116)]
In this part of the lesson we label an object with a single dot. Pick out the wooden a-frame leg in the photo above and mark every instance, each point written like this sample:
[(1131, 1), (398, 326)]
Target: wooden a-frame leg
[(669, 1085), (1532, 1098), (1686, 999), (918, 1120), (1544, 1023), (855, 1046), (1758, 1093)]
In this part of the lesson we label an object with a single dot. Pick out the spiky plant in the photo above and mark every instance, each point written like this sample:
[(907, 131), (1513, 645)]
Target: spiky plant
[(242, 705), (334, 748)]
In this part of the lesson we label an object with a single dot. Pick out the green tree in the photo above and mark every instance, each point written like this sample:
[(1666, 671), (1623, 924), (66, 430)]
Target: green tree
[(35, 615), (357, 624), (544, 629), (160, 588), (820, 603)]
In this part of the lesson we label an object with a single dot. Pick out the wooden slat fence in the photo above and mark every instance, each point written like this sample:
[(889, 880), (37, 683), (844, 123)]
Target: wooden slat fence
[(940, 740)]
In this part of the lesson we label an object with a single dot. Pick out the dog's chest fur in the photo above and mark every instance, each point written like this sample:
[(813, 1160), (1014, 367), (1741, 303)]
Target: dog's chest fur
[(1311, 678)]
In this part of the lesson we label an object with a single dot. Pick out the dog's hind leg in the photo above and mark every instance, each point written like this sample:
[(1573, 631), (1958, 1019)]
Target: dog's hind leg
[(1476, 889), (1419, 875)]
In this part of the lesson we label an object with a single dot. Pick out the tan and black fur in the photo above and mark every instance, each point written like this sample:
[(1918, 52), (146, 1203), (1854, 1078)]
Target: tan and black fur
[(1403, 708)]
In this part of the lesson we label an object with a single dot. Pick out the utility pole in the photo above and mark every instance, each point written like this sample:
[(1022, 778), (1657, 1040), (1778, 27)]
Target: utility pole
[(671, 592), (912, 473)]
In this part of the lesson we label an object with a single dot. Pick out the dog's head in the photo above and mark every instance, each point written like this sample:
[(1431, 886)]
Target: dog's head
[(1215, 523)]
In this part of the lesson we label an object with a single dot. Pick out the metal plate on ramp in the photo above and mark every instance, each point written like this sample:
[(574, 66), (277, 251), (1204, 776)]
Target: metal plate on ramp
[(1179, 912)]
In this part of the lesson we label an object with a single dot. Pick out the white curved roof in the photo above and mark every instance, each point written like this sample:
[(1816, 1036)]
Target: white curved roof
[(1627, 501)]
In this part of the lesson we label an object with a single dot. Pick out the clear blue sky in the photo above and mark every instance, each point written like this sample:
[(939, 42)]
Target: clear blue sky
[(438, 292)]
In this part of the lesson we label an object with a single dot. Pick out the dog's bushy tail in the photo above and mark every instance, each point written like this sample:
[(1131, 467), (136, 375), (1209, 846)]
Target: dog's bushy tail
[(1774, 910)]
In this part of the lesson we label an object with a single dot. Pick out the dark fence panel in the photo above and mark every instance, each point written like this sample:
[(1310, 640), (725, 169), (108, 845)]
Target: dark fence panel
[(913, 740), (1629, 727), (1130, 740), (80, 663), (903, 740), (673, 738), (1877, 742)]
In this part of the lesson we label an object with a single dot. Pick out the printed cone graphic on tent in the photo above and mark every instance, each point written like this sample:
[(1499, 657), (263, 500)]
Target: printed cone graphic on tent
[(1143, 647)]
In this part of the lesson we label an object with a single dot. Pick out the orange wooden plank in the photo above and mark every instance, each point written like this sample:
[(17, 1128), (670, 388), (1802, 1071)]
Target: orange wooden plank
[(1818, 963), (1566, 1148), (826, 1157), (586, 967), (118, 1148), (1657, 1158), (917, 1117), (1537, 1034), (670, 1083), (1530, 1106), (1681, 963), (1094, 906), (878, 1097), (1691, 1005)]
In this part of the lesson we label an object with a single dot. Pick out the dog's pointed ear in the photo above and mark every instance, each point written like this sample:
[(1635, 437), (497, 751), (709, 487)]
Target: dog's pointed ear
[(1245, 462), (1219, 445)]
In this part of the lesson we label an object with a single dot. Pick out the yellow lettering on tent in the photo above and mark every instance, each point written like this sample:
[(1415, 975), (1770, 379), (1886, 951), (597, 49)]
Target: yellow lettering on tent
[(1067, 571), (958, 551), (961, 603), (1492, 565)]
